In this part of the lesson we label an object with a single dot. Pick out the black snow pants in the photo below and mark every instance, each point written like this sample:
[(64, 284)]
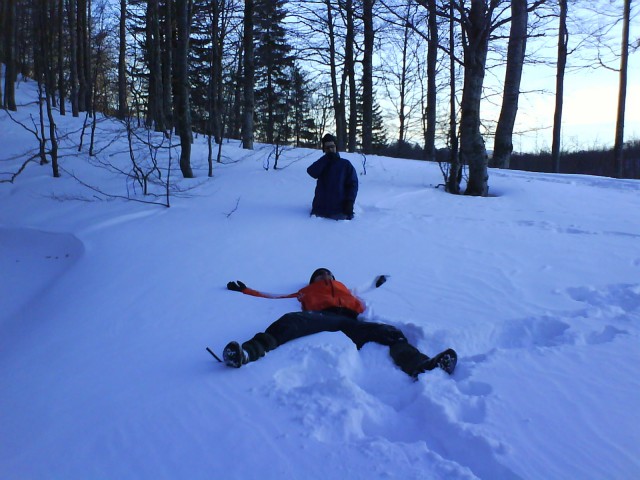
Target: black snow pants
[(300, 324)]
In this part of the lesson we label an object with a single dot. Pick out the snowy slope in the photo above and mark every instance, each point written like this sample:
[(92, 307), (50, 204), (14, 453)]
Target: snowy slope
[(107, 307)]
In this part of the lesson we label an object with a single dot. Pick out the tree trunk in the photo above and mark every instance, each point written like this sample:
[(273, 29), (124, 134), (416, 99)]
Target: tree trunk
[(87, 58), (215, 82), (338, 104), (83, 77), (503, 143), (402, 116), (236, 108), (10, 56), (248, 78), (453, 181), (350, 69), (622, 93), (61, 81), (367, 78), (563, 38), (432, 59), (167, 48), (122, 69), (472, 148), (183, 23), (73, 57), (156, 97)]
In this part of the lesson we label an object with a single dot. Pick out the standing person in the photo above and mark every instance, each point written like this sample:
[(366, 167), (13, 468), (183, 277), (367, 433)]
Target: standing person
[(337, 183), (329, 306)]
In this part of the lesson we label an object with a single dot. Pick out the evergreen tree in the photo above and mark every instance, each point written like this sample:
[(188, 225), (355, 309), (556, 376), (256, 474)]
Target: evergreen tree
[(273, 62), (379, 139), (304, 126)]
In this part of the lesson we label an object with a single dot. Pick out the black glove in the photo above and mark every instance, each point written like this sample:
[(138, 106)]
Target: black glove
[(236, 286), (380, 279)]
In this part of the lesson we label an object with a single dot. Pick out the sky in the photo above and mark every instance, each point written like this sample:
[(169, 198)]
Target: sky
[(107, 306), (590, 109), (590, 90)]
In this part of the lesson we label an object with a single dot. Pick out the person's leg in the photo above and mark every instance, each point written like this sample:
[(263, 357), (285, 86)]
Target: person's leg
[(363, 332), (413, 362), (404, 355), (410, 360), (288, 327), (300, 324)]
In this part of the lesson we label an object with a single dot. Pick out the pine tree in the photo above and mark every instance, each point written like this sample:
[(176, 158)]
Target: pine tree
[(379, 139), (304, 126), (273, 62)]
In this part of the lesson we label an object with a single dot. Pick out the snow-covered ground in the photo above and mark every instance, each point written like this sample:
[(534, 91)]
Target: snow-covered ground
[(107, 305)]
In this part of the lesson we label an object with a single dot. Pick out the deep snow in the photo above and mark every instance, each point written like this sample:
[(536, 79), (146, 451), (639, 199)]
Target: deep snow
[(107, 307)]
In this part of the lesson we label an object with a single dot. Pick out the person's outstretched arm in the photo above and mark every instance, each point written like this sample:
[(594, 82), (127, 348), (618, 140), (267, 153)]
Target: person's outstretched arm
[(239, 286)]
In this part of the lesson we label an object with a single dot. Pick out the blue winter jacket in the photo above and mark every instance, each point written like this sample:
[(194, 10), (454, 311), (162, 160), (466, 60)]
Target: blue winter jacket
[(336, 188)]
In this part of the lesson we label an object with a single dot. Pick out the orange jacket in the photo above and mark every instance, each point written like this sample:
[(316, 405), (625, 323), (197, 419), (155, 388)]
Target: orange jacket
[(319, 295)]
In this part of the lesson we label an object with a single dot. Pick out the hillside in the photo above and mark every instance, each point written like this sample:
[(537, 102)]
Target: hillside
[(108, 305)]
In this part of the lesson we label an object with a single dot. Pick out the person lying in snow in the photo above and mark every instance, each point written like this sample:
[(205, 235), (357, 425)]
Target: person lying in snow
[(329, 306), (337, 183)]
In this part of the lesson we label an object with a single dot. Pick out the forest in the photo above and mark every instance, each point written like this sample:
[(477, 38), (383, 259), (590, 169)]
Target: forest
[(402, 78)]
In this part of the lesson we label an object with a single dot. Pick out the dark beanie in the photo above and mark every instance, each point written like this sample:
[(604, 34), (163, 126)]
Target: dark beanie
[(318, 271), (328, 138)]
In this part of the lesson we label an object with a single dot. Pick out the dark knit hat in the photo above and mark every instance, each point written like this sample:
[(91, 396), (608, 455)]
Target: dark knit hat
[(319, 271), (328, 138)]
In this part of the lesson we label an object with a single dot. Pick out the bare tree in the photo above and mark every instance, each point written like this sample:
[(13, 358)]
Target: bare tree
[(338, 98), (350, 72), (622, 93), (563, 39), (154, 49), (432, 60), (503, 142), (122, 67), (62, 88), (248, 80), (367, 77), (181, 64), (45, 77), (455, 169), (9, 27), (476, 29), (73, 58)]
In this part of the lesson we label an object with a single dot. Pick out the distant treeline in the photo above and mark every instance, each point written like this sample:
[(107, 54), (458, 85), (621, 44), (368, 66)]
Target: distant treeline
[(588, 162)]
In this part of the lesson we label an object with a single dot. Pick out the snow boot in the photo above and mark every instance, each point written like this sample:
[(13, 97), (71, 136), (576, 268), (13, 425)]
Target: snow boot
[(447, 360), (233, 355)]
